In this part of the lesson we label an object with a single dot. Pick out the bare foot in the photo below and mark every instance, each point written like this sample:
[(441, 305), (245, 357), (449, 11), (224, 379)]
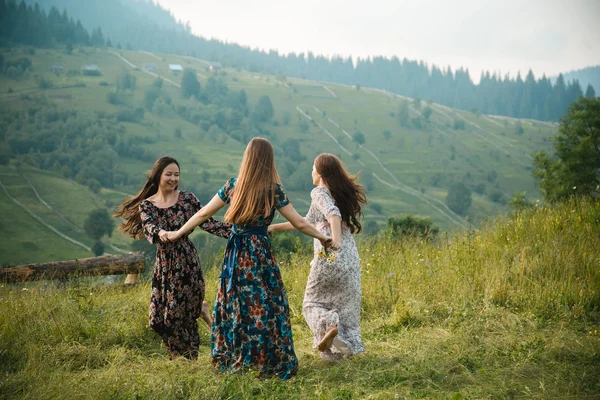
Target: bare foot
[(327, 340), (205, 315)]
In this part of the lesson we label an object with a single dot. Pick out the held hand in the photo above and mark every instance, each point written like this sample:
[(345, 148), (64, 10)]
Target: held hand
[(173, 236), (328, 243), (162, 235), (270, 229)]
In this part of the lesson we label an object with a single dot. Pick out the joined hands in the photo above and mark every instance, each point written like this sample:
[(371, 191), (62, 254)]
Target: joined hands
[(329, 244), (169, 236)]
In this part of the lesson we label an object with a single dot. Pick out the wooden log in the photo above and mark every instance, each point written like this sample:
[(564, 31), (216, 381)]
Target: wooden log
[(132, 263)]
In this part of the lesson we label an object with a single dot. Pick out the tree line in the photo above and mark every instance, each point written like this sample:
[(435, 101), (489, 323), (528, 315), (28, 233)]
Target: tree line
[(147, 26), (25, 24)]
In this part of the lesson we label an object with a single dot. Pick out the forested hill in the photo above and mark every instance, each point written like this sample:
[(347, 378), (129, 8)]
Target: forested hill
[(114, 16), (143, 25), (588, 77)]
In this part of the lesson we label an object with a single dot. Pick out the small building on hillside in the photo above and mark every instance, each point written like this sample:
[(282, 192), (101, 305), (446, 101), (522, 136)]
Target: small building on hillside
[(150, 67), (90, 70), (175, 68), (215, 66), (57, 69)]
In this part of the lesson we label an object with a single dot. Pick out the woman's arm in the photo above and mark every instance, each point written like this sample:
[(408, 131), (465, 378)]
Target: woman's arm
[(334, 221), (298, 222), (217, 228), (285, 226), (336, 229), (214, 205), (211, 225), (150, 228)]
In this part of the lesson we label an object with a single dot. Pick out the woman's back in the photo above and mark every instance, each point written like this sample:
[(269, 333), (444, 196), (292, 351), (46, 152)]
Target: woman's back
[(251, 308), (227, 192)]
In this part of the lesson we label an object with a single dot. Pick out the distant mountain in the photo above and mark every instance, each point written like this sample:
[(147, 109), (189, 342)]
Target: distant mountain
[(144, 25), (585, 76)]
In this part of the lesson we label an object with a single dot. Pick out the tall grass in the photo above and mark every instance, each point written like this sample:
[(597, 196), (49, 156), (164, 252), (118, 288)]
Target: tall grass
[(509, 311)]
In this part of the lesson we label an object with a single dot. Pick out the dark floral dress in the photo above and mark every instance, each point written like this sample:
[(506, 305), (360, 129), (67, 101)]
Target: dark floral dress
[(251, 324), (178, 283)]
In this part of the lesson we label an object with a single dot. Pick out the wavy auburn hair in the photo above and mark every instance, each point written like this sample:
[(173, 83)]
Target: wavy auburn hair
[(349, 196), (129, 210), (254, 191)]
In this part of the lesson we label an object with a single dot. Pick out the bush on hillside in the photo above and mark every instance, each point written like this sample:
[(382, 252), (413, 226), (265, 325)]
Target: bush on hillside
[(412, 226)]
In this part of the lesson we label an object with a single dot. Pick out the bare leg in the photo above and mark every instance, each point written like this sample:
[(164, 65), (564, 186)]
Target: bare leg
[(327, 340), (205, 315)]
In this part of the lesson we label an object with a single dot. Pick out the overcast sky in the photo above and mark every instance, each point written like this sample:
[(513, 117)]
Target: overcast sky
[(505, 36)]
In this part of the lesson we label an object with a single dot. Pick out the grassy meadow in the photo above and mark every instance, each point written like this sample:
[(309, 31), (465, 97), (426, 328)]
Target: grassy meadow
[(508, 311)]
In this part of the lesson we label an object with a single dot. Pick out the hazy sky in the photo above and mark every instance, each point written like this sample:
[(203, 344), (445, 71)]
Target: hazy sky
[(506, 36)]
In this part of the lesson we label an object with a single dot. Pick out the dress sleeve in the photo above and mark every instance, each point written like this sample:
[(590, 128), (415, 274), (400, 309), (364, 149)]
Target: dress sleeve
[(217, 228), (322, 201), (192, 204), (225, 192), (150, 227), (281, 199)]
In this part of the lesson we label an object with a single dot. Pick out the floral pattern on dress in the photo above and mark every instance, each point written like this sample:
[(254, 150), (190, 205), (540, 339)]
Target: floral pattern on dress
[(333, 291), (251, 324), (177, 283)]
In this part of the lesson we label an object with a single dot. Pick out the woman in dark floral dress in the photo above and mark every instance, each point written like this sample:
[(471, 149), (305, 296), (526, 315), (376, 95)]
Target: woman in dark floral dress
[(251, 324), (177, 284)]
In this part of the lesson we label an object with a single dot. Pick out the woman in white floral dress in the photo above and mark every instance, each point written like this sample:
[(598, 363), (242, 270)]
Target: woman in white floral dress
[(332, 299)]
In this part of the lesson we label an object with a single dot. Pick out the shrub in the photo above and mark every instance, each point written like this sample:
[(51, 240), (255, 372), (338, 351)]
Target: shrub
[(412, 226)]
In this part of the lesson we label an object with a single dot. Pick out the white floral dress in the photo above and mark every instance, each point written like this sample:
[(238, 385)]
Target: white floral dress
[(333, 291)]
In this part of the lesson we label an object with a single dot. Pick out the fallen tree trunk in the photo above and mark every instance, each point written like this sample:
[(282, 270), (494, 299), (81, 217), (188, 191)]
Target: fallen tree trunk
[(132, 263)]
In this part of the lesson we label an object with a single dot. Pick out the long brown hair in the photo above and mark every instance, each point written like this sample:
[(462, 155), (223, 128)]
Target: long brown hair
[(129, 210), (254, 191), (349, 196)]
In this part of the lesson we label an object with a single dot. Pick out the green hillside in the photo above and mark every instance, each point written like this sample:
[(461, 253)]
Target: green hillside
[(411, 151)]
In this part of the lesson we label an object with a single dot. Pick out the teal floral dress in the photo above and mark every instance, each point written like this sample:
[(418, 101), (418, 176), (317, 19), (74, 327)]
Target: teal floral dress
[(251, 324)]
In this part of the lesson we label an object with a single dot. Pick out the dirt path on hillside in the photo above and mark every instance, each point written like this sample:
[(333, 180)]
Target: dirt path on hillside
[(132, 65), (424, 197), (494, 140), (64, 218), (450, 215), (41, 221), (498, 139)]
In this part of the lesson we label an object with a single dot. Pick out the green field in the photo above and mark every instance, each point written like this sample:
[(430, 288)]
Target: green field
[(498, 313), (411, 169)]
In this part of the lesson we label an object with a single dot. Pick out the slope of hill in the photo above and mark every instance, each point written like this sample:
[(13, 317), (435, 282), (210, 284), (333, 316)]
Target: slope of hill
[(408, 152)]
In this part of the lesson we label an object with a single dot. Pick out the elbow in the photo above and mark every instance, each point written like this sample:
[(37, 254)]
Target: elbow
[(301, 225)]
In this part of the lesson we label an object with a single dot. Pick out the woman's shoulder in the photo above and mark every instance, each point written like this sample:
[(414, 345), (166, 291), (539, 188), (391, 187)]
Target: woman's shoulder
[(231, 182), (319, 191), (225, 191), (146, 206), (187, 195), (146, 202)]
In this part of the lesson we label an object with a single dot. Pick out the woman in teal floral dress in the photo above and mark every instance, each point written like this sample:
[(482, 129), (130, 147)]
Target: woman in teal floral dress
[(177, 283), (251, 324)]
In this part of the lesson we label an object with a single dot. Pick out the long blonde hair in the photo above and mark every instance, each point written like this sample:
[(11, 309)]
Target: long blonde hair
[(129, 210), (254, 191)]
